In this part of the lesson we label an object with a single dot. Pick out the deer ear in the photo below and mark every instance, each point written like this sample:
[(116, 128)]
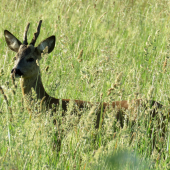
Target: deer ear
[(12, 42), (49, 42)]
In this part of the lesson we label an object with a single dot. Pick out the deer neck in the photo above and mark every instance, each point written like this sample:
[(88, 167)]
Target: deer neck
[(27, 84)]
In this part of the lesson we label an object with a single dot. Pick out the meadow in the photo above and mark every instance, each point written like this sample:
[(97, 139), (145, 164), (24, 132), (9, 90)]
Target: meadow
[(105, 51)]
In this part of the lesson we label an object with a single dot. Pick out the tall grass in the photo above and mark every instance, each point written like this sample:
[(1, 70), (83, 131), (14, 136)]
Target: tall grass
[(98, 44)]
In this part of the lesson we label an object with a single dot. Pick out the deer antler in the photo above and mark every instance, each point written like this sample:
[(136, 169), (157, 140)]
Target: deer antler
[(25, 34), (36, 34)]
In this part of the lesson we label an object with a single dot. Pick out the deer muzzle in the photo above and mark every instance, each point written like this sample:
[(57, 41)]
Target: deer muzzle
[(16, 72)]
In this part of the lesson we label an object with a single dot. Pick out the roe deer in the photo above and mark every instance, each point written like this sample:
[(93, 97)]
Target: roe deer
[(28, 71)]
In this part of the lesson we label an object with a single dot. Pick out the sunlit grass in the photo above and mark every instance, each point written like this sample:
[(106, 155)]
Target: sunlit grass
[(127, 37)]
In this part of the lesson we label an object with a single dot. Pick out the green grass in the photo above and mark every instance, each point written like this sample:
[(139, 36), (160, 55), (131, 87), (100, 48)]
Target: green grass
[(128, 37)]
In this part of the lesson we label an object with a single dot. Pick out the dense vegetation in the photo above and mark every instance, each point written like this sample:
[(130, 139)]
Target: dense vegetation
[(99, 43)]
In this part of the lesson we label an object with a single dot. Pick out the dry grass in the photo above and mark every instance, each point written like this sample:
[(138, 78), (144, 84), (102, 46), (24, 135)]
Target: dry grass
[(105, 51)]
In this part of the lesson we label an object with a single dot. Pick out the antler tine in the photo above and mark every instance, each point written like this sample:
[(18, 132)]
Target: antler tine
[(36, 34), (25, 34)]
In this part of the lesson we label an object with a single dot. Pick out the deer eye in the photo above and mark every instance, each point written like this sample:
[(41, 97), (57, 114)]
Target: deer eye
[(30, 60)]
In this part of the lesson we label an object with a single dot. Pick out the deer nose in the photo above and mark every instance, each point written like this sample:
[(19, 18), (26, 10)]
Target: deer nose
[(16, 71)]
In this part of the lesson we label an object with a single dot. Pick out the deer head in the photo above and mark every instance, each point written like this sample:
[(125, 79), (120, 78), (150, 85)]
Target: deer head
[(27, 54)]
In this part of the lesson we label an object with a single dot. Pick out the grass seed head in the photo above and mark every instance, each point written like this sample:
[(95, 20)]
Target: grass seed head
[(72, 65), (80, 54), (101, 95), (46, 69), (118, 78), (150, 93), (2, 92), (37, 62), (164, 65), (109, 91)]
